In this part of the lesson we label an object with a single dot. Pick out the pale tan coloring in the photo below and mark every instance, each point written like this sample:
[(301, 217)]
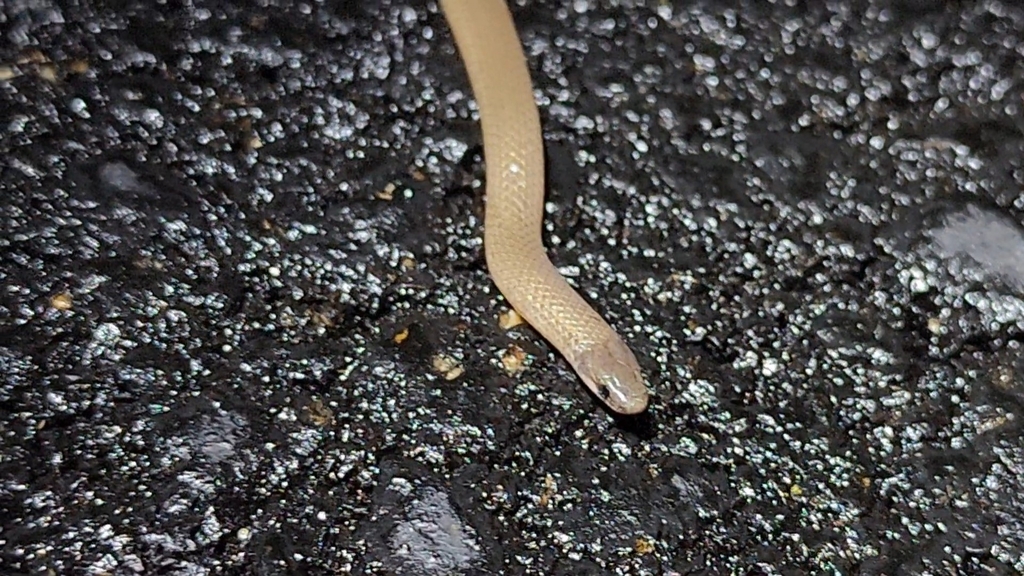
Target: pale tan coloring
[(487, 41)]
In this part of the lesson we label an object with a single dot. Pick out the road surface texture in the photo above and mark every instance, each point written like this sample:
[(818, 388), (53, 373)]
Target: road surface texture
[(246, 326)]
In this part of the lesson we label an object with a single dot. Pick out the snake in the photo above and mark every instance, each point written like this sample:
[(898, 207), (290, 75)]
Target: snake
[(489, 46)]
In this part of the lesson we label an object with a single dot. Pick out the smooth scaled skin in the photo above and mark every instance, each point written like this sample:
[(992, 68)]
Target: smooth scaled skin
[(487, 41)]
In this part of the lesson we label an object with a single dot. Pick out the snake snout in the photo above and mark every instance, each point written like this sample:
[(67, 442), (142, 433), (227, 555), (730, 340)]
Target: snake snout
[(611, 371)]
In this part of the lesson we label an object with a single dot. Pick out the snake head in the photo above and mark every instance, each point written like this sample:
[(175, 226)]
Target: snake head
[(611, 372)]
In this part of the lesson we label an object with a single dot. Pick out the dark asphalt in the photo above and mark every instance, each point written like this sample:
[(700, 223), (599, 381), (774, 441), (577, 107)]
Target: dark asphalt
[(246, 326)]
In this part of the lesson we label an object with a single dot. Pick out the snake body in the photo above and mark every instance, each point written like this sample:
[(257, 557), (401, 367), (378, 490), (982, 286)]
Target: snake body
[(486, 38)]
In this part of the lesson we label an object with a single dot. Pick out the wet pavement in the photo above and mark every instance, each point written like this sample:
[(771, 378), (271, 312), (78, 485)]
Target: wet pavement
[(246, 326)]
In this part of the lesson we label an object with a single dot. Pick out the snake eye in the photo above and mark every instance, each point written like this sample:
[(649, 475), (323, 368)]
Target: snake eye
[(611, 372)]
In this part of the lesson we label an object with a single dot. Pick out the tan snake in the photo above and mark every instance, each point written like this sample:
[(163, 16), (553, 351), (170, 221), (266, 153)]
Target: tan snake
[(486, 38)]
